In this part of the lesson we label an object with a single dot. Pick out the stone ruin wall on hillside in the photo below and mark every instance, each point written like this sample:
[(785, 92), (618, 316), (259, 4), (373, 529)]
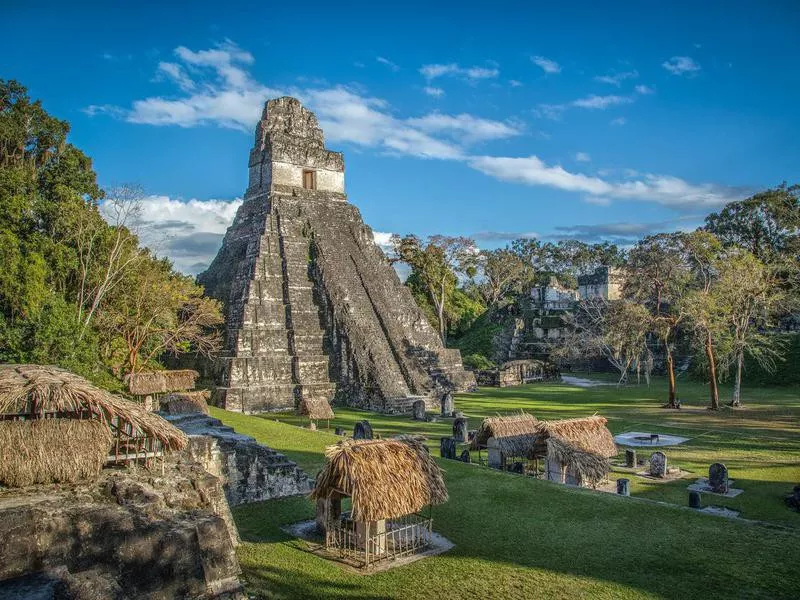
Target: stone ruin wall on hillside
[(313, 308)]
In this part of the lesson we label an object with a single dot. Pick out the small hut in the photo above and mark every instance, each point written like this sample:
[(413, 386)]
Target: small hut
[(316, 409), (576, 450), (56, 426), (389, 483), (150, 384), (507, 439)]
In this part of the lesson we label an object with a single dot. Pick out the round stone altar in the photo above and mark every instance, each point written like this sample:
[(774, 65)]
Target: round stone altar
[(642, 439)]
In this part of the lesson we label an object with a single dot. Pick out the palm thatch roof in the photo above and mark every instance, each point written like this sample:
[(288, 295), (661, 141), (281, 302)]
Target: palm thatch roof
[(316, 408), (51, 451), (515, 434), (587, 467), (161, 382), (36, 390), (384, 478), (587, 434), (181, 403)]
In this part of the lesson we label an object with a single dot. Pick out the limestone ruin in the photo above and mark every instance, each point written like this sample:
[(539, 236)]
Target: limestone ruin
[(313, 308)]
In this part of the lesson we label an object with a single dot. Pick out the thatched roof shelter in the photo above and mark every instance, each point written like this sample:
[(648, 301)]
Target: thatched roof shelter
[(161, 382), (316, 408), (181, 403), (36, 391), (384, 478), (515, 434), (586, 434), (51, 451), (586, 467)]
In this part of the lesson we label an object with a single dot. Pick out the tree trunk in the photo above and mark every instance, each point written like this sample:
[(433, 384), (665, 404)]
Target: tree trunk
[(712, 373), (671, 378), (442, 332), (737, 384)]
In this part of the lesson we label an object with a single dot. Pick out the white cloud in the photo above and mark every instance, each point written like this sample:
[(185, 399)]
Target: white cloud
[(465, 127), (678, 65), (660, 189), (617, 78), (388, 63), (433, 91), (582, 157), (547, 65), (475, 73), (597, 200), (644, 90), (618, 121), (176, 73), (595, 102), (514, 83), (188, 232), (383, 239)]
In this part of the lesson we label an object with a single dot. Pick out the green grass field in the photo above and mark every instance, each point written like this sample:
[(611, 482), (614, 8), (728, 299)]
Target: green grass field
[(517, 537)]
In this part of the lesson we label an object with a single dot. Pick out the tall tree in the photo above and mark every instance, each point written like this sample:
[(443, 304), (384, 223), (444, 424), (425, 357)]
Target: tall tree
[(750, 297), (505, 273), (658, 276), (700, 306), (437, 262)]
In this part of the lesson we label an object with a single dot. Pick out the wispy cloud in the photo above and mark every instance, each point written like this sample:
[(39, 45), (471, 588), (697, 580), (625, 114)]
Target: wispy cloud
[(681, 65), (644, 90), (595, 102), (503, 236), (547, 65), (624, 233), (619, 121), (475, 73), (436, 92), (617, 78), (660, 189), (465, 127), (514, 83), (583, 157), (388, 63)]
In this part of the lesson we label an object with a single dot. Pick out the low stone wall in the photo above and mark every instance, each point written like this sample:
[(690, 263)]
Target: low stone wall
[(251, 472), (517, 372), (131, 533)]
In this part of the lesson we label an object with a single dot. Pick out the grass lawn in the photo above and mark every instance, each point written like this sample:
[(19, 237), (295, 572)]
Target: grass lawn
[(517, 537)]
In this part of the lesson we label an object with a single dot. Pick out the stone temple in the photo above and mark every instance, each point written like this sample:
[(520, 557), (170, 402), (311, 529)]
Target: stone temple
[(313, 308)]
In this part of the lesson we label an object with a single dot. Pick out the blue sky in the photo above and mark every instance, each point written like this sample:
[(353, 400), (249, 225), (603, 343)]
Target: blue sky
[(592, 120)]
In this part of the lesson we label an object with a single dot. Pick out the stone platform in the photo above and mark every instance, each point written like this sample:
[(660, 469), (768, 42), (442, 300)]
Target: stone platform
[(251, 472)]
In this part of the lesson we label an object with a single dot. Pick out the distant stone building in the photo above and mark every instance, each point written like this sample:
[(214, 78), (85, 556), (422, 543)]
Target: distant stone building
[(605, 282), (313, 309), (553, 296)]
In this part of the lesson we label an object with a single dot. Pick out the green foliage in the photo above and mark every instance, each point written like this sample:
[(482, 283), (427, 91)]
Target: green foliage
[(479, 338), (66, 271), (477, 361), (786, 372)]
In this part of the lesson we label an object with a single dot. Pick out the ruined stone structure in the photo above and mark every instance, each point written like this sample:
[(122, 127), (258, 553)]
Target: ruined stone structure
[(313, 309), (605, 282)]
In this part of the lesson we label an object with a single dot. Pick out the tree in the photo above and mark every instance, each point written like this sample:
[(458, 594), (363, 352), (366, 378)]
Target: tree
[(766, 224), (700, 306), (750, 296), (566, 259), (161, 311), (437, 263), (657, 277), (505, 272), (616, 330)]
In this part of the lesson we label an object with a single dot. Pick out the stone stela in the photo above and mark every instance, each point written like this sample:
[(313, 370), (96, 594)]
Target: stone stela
[(313, 308)]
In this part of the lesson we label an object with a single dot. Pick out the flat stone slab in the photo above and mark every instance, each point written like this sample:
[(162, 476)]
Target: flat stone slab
[(307, 531), (720, 511), (641, 439), (702, 485)]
